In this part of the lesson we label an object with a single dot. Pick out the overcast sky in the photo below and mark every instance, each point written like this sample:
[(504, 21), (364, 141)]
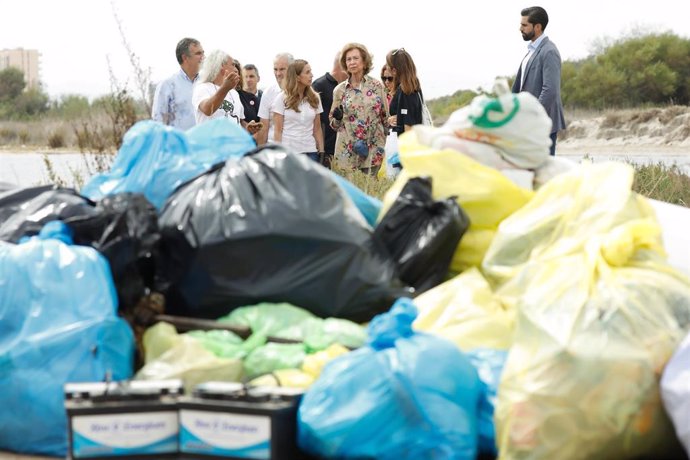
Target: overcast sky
[(464, 46)]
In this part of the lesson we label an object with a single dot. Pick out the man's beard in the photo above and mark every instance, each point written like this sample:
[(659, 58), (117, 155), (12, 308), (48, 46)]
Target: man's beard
[(528, 37)]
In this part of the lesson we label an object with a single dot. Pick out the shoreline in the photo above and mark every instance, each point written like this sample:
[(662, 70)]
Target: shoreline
[(578, 148)]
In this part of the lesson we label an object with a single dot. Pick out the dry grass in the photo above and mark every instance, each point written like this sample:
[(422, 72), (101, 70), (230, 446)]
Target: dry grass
[(663, 183), (89, 133), (657, 181), (37, 133), (369, 184)]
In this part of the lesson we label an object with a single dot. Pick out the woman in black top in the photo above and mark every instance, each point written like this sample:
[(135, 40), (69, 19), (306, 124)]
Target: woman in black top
[(406, 104)]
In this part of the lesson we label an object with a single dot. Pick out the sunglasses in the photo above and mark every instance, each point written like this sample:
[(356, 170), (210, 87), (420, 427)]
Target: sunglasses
[(387, 78), (397, 51)]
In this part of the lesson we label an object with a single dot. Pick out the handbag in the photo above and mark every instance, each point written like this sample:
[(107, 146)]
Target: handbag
[(390, 167), (426, 114)]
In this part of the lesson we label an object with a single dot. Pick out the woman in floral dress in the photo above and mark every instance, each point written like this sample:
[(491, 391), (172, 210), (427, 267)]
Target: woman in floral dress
[(359, 113)]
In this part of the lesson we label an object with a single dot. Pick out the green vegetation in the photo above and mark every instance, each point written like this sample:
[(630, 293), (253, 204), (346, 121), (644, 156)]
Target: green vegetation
[(15, 103), (29, 117), (442, 107), (646, 70), (639, 71)]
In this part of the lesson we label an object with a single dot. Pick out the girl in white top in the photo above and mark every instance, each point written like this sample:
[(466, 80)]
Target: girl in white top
[(296, 112), (214, 94)]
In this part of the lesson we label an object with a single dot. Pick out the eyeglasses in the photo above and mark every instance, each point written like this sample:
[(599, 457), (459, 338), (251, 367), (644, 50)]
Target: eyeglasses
[(397, 51), (387, 78)]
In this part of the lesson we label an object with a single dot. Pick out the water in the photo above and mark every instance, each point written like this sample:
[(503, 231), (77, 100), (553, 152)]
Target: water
[(682, 161), (75, 169), (29, 169)]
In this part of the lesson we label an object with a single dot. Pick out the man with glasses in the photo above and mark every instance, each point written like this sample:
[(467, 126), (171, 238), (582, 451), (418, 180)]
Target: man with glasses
[(172, 102)]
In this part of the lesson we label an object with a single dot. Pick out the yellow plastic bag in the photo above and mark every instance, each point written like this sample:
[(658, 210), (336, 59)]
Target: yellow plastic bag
[(314, 364), (485, 194), (170, 355), (292, 378), (465, 311), (599, 313), (566, 214)]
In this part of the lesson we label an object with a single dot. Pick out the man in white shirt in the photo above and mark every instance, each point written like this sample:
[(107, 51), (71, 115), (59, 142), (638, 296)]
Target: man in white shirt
[(172, 102), (280, 65), (214, 94)]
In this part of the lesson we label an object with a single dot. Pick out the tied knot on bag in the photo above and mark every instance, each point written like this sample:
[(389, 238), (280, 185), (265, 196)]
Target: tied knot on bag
[(388, 327), (620, 244), (55, 230)]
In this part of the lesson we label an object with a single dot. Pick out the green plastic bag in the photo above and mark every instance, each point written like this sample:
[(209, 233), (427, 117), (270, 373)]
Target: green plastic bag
[(267, 318), (274, 356)]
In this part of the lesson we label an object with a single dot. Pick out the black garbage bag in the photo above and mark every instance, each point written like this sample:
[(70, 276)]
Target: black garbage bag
[(122, 227), (126, 233), (422, 234), (12, 197), (271, 226), (24, 211)]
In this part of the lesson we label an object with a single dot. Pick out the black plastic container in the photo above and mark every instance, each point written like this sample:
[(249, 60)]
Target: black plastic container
[(229, 421), (124, 420)]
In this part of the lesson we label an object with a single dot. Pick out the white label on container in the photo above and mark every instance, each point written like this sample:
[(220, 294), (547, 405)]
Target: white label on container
[(226, 431), (126, 431)]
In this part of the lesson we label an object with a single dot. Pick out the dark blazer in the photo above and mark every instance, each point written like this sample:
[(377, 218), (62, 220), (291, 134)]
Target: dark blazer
[(543, 80)]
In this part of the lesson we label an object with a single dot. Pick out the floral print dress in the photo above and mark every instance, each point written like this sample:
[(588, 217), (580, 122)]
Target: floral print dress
[(365, 118)]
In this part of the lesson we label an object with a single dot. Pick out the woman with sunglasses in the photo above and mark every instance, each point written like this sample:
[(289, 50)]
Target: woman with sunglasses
[(359, 113), (387, 79), (406, 104), (296, 113)]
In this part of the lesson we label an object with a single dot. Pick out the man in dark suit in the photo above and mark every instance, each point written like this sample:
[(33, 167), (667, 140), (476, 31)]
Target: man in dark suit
[(325, 85), (540, 71)]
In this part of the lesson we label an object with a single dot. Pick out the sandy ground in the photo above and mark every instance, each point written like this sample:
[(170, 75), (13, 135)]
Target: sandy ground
[(643, 132)]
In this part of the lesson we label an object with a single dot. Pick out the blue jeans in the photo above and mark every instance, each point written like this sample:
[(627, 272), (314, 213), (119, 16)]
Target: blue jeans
[(553, 137), (313, 156)]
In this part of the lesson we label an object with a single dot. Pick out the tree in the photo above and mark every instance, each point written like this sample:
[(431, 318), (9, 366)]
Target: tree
[(637, 70), (72, 106), (11, 84), (30, 103)]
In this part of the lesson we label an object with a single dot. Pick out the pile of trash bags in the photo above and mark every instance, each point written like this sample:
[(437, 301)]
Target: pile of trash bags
[(496, 302)]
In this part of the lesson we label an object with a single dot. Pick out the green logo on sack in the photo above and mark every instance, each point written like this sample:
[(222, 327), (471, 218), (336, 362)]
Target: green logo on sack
[(494, 106)]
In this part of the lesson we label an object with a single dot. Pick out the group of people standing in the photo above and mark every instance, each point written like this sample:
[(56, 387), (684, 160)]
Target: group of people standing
[(345, 113)]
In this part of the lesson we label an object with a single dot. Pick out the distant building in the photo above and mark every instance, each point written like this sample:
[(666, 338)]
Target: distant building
[(24, 60)]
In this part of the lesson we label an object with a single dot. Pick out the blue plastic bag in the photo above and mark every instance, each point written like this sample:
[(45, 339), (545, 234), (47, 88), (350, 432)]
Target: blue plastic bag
[(368, 206), (407, 395), (58, 324), (489, 364), (155, 159)]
